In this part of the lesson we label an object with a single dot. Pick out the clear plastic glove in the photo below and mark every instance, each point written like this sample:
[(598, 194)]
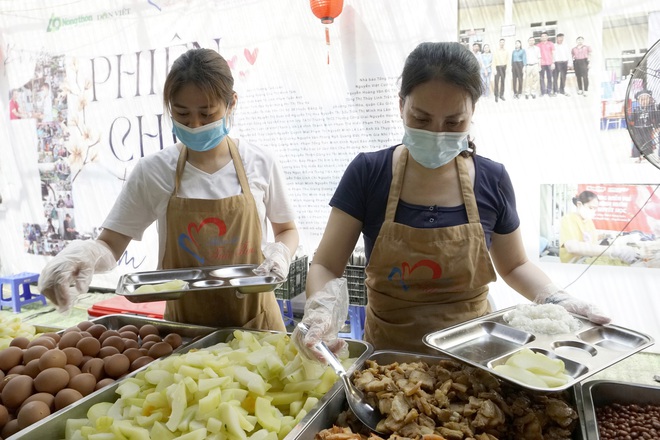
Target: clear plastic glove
[(325, 314), (70, 273), (278, 260), (553, 294), (626, 254)]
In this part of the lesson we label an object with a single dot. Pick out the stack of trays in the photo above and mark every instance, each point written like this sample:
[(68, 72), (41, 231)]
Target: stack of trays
[(240, 277), (489, 341), (53, 426)]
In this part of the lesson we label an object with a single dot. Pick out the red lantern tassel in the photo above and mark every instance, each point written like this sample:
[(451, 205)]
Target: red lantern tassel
[(327, 41)]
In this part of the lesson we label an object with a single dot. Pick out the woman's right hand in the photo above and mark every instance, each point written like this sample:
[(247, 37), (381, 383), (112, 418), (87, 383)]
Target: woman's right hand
[(70, 273)]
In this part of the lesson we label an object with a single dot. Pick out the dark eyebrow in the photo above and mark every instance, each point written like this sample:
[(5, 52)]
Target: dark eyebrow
[(455, 115)]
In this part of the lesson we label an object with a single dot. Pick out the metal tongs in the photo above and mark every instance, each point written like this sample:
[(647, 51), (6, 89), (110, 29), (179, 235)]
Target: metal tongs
[(367, 414)]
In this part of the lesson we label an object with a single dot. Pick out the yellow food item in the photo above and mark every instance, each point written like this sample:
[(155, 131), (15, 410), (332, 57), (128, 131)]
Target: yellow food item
[(162, 287), (534, 369)]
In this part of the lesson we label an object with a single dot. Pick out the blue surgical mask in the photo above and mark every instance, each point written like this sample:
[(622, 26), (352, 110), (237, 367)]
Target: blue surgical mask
[(203, 138), (433, 150)]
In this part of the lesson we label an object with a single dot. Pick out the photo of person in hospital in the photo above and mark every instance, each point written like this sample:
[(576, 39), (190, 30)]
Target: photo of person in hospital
[(579, 240)]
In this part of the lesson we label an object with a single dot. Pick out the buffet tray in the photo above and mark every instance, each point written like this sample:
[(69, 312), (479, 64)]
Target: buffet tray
[(239, 276), (328, 414), (53, 426), (599, 393), (489, 341)]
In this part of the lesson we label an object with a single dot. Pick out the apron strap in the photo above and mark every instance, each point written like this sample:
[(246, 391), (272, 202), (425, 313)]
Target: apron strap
[(238, 165), (469, 198)]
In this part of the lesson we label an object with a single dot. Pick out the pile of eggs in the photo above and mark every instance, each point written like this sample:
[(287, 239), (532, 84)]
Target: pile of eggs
[(54, 370)]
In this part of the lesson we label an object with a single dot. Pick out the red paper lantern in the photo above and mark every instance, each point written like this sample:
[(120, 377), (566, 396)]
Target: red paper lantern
[(326, 10)]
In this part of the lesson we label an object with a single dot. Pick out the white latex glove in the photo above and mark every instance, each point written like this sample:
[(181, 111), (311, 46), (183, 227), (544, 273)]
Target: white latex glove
[(70, 273), (325, 314), (626, 254), (553, 294), (278, 260)]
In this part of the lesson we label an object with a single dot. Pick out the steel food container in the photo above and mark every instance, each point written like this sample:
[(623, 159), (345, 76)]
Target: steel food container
[(53, 427), (328, 414), (599, 393)]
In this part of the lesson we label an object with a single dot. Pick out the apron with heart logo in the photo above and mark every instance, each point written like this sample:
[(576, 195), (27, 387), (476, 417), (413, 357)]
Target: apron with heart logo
[(227, 231), (423, 280)]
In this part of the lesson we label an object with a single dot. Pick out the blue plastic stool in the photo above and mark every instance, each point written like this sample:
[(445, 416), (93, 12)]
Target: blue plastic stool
[(286, 309), (356, 317), (19, 299)]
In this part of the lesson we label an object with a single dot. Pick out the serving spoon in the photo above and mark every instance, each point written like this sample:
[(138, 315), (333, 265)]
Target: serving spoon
[(366, 413)]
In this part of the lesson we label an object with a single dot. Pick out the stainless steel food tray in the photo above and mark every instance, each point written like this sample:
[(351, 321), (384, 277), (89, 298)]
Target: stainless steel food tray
[(52, 427), (240, 277), (489, 341), (599, 393), (328, 414)]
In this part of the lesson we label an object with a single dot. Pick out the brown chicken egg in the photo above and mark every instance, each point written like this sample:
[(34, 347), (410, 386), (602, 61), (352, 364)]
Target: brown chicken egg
[(31, 413), (89, 346), (116, 365), (84, 325), (129, 335), (151, 337), (140, 362), (132, 354), (103, 383), (148, 329), (10, 428), (73, 370), (107, 351), (51, 380), (69, 340), (94, 366), (73, 356), (43, 340), (33, 352), (20, 342), (174, 339), (54, 358), (97, 330), (46, 398), (6, 380), (160, 349), (4, 416), (16, 391), (84, 383), (18, 369), (129, 328), (107, 334), (66, 397), (10, 357), (130, 343), (32, 368), (54, 336), (113, 341)]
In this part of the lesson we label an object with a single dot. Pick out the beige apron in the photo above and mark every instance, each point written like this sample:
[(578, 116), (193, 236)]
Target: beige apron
[(423, 280), (221, 232)]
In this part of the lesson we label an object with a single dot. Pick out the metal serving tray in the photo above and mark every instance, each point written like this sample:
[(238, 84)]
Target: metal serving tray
[(240, 277), (53, 426), (489, 341), (328, 414), (599, 393), (190, 334)]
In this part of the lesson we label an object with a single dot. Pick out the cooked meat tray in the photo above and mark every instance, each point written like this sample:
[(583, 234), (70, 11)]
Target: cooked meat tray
[(490, 341), (337, 404), (172, 284)]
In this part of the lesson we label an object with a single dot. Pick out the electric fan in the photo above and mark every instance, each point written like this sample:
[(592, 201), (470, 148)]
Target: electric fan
[(642, 108)]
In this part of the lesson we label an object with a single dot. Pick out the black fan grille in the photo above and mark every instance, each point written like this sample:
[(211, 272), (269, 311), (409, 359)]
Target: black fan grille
[(643, 105)]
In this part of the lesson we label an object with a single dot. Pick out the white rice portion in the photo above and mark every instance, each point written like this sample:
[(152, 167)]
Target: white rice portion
[(547, 319)]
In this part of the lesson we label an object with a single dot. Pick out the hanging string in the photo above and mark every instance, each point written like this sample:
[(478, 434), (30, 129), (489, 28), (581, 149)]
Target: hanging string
[(327, 41)]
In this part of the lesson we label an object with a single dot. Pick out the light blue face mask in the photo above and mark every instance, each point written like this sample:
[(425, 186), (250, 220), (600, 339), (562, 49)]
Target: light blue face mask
[(203, 138), (433, 150)]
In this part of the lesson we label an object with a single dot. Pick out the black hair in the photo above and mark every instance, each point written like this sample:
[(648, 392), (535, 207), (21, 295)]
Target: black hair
[(450, 62), (560, 35), (584, 197)]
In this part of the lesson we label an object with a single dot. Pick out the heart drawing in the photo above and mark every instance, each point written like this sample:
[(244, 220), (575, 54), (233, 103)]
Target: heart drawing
[(232, 62), (251, 57), (193, 232)]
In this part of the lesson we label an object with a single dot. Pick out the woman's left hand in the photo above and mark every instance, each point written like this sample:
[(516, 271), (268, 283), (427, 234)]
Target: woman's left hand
[(278, 260)]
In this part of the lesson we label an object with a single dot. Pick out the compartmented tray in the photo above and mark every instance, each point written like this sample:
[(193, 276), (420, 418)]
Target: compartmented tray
[(240, 277), (53, 426), (489, 341), (327, 415), (599, 393)]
